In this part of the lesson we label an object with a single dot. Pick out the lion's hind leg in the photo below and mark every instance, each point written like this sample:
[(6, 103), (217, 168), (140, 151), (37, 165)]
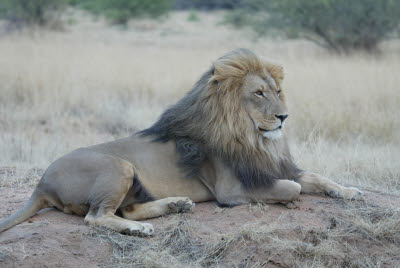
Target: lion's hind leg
[(141, 211), (111, 186), (102, 213), (119, 224)]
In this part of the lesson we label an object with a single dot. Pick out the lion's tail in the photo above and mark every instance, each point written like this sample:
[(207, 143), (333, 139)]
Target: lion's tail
[(34, 204)]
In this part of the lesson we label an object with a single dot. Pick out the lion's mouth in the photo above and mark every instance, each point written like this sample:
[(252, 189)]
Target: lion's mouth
[(266, 130)]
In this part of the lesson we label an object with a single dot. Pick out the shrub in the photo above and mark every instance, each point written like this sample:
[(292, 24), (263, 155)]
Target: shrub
[(193, 16), (120, 11), (340, 25), (20, 13), (205, 4)]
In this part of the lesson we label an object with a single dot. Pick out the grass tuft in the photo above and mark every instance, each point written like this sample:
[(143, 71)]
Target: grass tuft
[(176, 245)]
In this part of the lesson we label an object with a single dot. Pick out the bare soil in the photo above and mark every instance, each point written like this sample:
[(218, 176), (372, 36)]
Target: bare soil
[(54, 239)]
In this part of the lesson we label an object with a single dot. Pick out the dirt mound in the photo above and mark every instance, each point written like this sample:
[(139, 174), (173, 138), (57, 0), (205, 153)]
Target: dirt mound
[(244, 236)]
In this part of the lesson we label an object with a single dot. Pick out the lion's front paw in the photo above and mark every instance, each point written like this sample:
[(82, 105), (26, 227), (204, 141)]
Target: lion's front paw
[(147, 230), (352, 193), (292, 205), (181, 204), (348, 193)]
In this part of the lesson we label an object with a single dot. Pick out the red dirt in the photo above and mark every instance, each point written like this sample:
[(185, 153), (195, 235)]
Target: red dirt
[(54, 239)]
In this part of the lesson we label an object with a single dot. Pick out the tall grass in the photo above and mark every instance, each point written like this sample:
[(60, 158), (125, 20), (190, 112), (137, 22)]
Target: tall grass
[(95, 83)]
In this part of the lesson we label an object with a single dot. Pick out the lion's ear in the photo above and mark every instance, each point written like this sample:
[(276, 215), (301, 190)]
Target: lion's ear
[(234, 65), (275, 70), (224, 69)]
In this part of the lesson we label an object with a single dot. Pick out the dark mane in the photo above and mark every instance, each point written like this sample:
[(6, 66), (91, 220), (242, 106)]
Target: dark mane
[(193, 125), (174, 124)]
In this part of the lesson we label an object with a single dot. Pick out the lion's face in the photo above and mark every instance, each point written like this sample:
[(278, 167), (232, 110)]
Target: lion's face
[(263, 101)]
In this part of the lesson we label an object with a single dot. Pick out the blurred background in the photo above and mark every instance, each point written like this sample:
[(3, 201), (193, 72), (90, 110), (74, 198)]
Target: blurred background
[(74, 73)]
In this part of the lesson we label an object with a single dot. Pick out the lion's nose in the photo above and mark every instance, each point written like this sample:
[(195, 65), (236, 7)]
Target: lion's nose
[(282, 117)]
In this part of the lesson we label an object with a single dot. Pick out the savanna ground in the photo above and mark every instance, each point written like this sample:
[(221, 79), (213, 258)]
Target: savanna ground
[(93, 83)]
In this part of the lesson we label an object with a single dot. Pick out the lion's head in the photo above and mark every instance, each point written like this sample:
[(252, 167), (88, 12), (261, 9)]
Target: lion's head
[(236, 112), (258, 86)]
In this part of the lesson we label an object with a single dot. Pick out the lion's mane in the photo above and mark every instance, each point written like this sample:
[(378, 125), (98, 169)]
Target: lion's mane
[(209, 121)]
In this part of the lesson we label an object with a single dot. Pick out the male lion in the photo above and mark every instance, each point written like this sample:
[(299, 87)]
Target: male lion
[(223, 141)]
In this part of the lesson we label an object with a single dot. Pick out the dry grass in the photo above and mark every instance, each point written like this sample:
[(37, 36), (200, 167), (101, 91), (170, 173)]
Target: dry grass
[(95, 83), (177, 245), (362, 235)]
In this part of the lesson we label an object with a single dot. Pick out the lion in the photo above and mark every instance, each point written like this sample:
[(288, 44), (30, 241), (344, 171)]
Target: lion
[(223, 141)]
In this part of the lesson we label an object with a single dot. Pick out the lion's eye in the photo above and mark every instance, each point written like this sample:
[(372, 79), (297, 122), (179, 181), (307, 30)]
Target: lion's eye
[(279, 93), (259, 93)]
